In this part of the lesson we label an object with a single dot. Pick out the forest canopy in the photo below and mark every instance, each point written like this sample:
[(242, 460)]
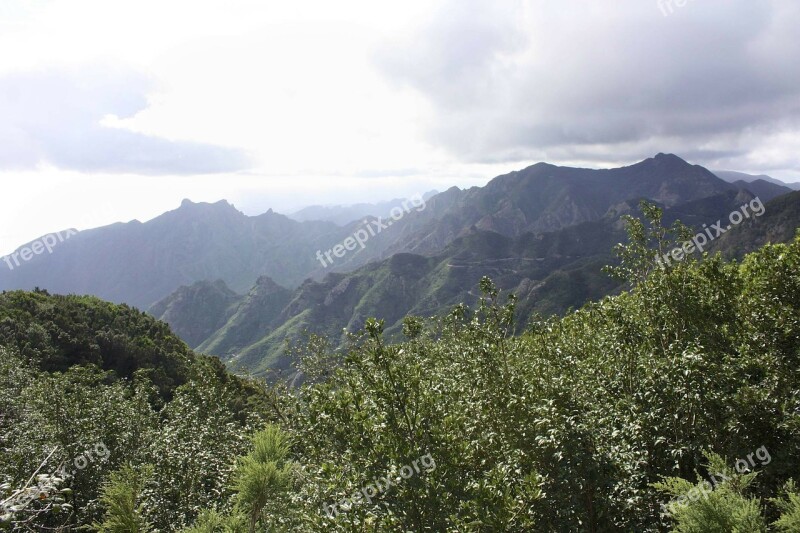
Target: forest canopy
[(672, 406)]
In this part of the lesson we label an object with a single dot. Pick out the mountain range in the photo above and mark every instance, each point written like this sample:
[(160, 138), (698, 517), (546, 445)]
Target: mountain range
[(734, 177), (464, 235), (344, 214), (238, 286)]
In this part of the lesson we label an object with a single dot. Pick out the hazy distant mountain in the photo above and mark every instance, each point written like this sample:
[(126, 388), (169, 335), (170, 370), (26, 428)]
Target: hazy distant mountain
[(550, 272), (140, 263), (763, 189), (343, 214), (731, 176)]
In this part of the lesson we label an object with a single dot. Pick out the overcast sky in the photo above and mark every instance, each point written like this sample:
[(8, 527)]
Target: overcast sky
[(118, 110)]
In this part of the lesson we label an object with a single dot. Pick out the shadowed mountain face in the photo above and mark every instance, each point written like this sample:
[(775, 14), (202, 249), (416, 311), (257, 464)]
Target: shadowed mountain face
[(142, 263), (549, 272), (545, 197), (536, 199), (779, 223), (763, 189)]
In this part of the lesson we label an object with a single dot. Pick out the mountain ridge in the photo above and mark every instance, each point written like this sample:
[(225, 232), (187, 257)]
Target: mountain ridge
[(550, 273), (140, 263)]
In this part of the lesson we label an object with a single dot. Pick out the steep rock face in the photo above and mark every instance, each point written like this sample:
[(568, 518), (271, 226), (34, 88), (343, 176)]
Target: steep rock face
[(254, 314), (194, 313), (549, 272)]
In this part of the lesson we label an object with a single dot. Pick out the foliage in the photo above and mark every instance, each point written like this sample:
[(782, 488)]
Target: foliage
[(263, 475), (121, 498), (789, 506), (212, 521), (721, 506), (590, 422), (69, 431), (55, 333)]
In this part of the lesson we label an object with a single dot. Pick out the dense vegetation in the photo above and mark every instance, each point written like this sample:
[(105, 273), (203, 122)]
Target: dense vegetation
[(88, 387), (673, 406)]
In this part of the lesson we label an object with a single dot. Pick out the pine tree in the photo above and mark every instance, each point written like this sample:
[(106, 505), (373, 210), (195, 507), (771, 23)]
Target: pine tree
[(120, 495), (264, 474)]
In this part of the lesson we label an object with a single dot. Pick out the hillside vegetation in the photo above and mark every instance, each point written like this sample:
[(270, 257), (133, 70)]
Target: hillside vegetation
[(672, 406)]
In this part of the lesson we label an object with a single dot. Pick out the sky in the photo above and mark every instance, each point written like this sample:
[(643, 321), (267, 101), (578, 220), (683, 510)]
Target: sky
[(113, 111)]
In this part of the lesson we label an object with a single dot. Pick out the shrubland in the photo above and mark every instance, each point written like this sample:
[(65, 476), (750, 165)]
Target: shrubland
[(607, 419)]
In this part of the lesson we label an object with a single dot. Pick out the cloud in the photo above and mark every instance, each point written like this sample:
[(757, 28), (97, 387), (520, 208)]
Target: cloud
[(65, 118), (573, 79)]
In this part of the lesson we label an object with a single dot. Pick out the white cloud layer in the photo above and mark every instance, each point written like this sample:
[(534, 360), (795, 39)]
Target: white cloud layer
[(286, 103)]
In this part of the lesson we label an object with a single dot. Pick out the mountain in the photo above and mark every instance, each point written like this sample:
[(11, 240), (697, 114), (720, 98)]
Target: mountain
[(549, 272), (779, 223), (255, 313), (763, 189), (537, 199), (343, 214), (194, 313), (545, 197), (731, 177), (140, 263)]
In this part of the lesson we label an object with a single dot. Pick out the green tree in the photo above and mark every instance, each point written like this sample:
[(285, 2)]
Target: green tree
[(264, 475), (121, 499), (789, 506)]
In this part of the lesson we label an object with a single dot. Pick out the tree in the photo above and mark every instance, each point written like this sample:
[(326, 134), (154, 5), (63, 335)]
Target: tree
[(120, 497), (264, 475)]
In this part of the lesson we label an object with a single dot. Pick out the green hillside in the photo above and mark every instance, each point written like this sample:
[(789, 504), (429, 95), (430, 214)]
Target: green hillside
[(550, 273), (672, 406), (87, 387)]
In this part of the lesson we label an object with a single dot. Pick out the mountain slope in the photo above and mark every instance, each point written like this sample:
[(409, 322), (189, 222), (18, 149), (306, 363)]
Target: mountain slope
[(763, 189), (537, 199), (778, 224), (732, 176), (194, 313), (549, 272), (141, 263), (545, 197), (254, 314)]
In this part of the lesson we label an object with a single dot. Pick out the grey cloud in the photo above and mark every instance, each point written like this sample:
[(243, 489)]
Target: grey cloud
[(54, 117), (587, 78)]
